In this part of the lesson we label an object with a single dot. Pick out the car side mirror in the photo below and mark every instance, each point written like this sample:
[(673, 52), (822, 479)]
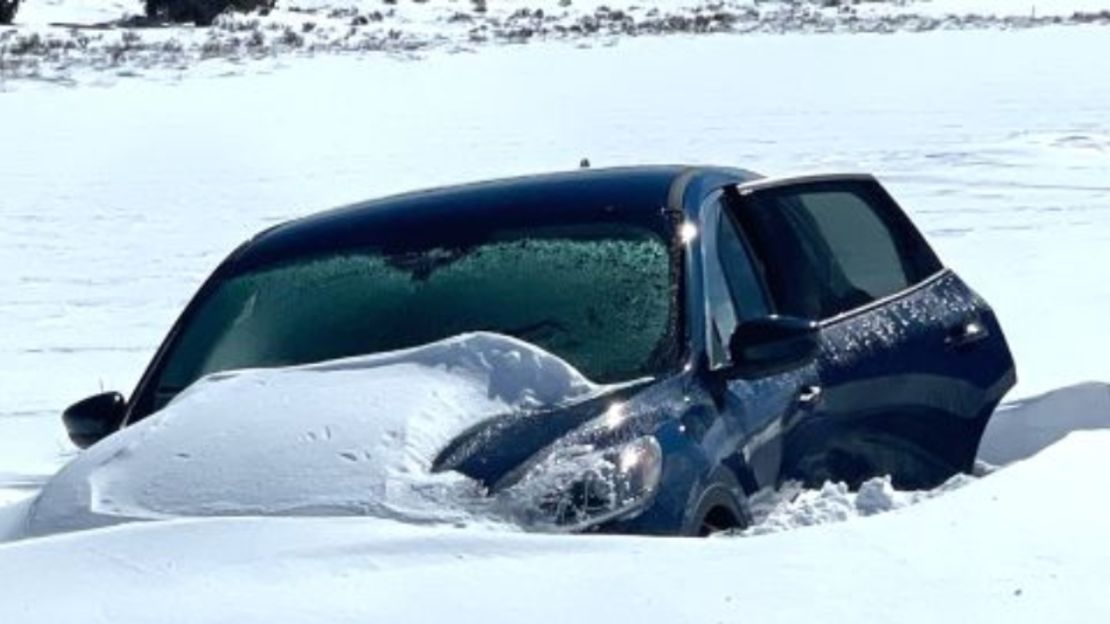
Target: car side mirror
[(772, 345), (90, 420)]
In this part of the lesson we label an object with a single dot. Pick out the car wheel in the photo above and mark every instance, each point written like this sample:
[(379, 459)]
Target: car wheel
[(722, 506)]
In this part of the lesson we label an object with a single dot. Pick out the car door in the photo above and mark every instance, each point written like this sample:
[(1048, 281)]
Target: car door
[(912, 361), (758, 410)]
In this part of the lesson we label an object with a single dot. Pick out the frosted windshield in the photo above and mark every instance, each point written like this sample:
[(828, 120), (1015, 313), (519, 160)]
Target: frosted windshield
[(600, 297)]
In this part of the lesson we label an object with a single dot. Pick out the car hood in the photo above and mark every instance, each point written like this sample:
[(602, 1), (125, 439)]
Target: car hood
[(386, 435)]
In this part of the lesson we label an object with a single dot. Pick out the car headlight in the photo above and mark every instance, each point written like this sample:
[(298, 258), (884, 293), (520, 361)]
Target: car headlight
[(579, 486)]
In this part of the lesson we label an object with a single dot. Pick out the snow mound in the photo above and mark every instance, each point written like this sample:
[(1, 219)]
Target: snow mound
[(793, 507), (349, 437), (1024, 545), (1020, 429), (13, 515)]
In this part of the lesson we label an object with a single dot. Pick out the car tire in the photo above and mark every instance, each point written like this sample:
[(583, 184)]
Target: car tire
[(721, 506)]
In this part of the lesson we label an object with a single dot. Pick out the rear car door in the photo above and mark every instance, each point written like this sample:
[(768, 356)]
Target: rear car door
[(912, 361)]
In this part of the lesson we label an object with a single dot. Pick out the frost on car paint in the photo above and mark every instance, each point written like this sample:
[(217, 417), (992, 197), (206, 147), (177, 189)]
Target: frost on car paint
[(891, 323)]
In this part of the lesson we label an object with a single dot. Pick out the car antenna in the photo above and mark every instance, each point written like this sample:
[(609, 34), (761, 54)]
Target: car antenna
[(584, 163)]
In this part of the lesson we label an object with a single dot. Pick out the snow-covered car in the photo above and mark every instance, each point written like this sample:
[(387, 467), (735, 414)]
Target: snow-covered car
[(629, 350)]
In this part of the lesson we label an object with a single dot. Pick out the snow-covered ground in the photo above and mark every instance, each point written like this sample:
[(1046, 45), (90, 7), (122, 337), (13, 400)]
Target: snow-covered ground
[(118, 196), (61, 40)]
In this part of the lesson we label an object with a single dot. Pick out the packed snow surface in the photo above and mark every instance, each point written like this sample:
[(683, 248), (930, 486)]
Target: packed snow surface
[(1023, 545)]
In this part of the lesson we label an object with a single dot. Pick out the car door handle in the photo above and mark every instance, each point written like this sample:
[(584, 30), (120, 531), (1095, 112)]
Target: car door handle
[(967, 333), (808, 396)]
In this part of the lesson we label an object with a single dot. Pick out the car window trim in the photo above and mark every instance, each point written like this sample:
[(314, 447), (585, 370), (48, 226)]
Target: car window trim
[(763, 184)]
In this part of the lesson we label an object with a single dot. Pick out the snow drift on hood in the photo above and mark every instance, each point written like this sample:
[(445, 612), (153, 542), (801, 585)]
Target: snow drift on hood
[(352, 436)]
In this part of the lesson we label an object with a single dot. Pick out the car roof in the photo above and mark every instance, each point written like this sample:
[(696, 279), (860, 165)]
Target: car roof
[(429, 217)]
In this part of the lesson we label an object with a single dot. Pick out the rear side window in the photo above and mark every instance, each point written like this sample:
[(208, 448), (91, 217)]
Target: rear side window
[(859, 244), (829, 247)]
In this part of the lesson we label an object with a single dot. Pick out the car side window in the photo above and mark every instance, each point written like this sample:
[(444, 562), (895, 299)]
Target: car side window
[(733, 289), (744, 284), (829, 247)]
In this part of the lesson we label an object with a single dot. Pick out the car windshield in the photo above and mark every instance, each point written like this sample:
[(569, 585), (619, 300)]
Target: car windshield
[(602, 297)]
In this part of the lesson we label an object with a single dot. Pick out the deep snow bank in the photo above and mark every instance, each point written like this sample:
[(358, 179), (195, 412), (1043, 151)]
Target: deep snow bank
[(347, 437), (1014, 547), (793, 507), (1017, 430), (1020, 429)]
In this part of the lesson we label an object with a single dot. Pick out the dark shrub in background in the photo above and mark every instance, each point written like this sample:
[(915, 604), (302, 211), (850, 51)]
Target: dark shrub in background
[(200, 12), (7, 10)]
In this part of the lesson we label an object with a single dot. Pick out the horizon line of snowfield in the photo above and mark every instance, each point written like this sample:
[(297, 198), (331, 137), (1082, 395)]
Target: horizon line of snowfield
[(69, 41)]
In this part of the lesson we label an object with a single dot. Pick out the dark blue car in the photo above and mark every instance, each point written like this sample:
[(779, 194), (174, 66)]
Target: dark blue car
[(752, 331)]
